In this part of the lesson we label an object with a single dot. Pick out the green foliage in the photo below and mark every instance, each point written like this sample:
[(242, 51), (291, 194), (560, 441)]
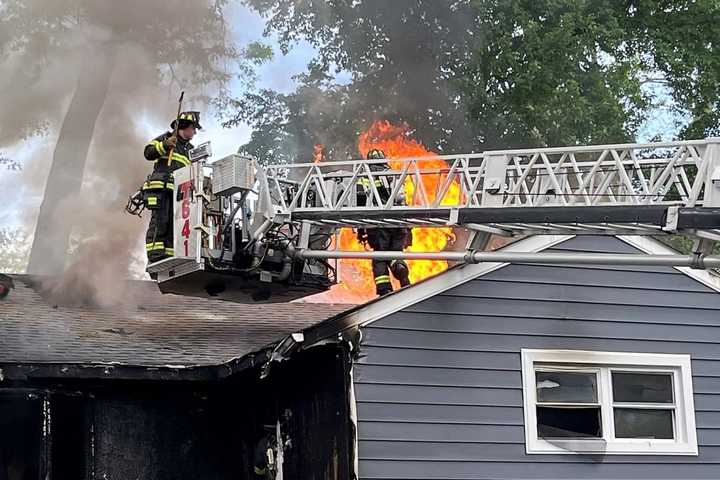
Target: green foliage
[(549, 73), (258, 53), (399, 56), (286, 127), (469, 75), (681, 38), (684, 244)]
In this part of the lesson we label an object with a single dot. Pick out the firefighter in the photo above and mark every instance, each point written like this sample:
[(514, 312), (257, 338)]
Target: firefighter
[(264, 457), (169, 151), (383, 239)]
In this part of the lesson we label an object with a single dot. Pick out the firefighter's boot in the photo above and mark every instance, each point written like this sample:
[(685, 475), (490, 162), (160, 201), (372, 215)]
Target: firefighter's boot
[(384, 287), (382, 277), (400, 270)]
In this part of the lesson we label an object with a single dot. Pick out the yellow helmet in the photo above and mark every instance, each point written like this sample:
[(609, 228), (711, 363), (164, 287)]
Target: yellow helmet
[(187, 119), (375, 154)]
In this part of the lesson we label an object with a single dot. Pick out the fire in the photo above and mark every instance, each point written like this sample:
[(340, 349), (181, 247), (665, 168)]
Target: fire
[(395, 142), (356, 282), (318, 153)]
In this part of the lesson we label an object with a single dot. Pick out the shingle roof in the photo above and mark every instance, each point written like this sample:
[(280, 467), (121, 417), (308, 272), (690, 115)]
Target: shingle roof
[(155, 330)]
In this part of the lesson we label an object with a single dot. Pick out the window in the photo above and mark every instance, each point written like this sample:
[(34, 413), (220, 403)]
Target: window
[(606, 402)]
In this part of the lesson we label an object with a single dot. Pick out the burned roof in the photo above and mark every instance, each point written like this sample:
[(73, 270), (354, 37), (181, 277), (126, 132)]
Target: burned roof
[(150, 329)]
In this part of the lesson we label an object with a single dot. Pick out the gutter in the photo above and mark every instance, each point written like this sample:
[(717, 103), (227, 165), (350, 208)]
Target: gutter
[(23, 371)]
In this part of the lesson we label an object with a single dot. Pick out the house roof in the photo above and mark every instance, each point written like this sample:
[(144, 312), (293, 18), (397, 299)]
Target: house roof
[(151, 329), (174, 333)]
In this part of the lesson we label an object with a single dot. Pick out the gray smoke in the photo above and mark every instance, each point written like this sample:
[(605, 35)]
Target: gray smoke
[(132, 43)]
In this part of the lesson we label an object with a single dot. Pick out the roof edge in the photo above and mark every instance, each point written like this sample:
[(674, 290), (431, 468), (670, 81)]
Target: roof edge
[(368, 313), (364, 315), (28, 371), (652, 246)]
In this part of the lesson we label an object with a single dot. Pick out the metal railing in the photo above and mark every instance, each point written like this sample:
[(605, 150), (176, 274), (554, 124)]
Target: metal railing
[(416, 191)]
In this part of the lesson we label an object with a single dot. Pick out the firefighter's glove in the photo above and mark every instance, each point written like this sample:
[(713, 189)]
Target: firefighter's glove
[(170, 142), (401, 198)]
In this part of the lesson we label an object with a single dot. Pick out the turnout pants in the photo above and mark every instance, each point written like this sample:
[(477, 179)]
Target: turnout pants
[(159, 237), (389, 239)]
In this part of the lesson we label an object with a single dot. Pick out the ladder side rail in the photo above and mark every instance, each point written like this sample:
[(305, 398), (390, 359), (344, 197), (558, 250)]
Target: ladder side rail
[(712, 174), (701, 163), (598, 148), (616, 176)]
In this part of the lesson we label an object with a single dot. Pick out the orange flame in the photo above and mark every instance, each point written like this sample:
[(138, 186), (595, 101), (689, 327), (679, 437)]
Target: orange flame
[(318, 153), (356, 282)]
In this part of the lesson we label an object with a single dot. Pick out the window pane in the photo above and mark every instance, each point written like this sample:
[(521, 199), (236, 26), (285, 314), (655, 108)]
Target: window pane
[(642, 387), (566, 387), (641, 423), (565, 422)]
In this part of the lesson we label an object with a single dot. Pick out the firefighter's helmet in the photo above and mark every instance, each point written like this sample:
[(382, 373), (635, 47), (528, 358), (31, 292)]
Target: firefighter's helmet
[(187, 119), (375, 154)]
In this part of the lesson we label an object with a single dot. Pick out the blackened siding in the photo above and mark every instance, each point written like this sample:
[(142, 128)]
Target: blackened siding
[(438, 385)]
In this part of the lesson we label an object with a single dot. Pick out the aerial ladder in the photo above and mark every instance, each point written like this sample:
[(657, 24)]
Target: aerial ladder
[(250, 233)]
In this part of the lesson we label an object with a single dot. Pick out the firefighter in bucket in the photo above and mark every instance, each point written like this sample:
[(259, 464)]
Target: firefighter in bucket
[(169, 151), (383, 239)]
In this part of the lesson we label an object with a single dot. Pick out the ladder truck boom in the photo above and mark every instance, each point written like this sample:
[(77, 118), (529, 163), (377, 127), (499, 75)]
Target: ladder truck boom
[(263, 233)]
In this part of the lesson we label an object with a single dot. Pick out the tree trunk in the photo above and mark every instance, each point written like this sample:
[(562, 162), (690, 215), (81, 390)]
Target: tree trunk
[(52, 234)]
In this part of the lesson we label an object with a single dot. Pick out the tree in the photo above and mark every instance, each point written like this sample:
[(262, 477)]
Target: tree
[(74, 49), (471, 75), (398, 55), (681, 40), (550, 73)]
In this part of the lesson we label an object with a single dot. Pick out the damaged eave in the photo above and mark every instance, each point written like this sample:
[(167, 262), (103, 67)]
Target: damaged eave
[(341, 329), (115, 371), (94, 371)]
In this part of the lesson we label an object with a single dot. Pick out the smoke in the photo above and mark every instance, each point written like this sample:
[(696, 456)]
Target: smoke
[(109, 243), (107, 256), (34, 102), (396, 61), (133, 44)]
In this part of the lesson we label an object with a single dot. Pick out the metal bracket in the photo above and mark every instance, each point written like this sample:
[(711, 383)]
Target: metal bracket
[(487, 229), (204, 196), (470, 256), (494, 186), (671, 221), (698, 261), (201, 152), (702, 248), (304, 235), (203, 228)]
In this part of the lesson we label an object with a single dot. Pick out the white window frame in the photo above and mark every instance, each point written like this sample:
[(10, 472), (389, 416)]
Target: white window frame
[(685, 441)]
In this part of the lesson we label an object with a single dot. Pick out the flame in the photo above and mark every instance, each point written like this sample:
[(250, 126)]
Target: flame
[(318, 153), (356, 282)]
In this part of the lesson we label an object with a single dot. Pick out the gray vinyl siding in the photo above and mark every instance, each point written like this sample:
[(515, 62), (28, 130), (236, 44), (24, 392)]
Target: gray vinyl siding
[(438, 384)]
